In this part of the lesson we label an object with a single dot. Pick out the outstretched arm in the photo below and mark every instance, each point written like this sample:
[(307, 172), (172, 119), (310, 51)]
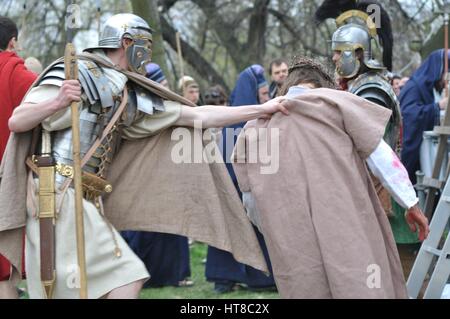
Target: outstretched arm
[(219, 116)]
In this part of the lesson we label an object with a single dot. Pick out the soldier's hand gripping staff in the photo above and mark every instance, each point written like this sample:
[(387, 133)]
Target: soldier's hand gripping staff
[(108, 121)]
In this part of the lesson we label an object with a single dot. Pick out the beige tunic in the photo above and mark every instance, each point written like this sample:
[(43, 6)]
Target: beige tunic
[(106, 270)]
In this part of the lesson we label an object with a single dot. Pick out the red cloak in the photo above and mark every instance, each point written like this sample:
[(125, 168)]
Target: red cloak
[(15, 80)]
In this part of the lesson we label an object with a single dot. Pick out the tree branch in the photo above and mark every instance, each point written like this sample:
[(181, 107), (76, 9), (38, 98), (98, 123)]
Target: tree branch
[(191, 55)]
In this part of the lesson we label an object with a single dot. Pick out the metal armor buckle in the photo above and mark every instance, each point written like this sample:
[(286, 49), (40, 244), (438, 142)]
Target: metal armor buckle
[(64, 170), (93, 185)]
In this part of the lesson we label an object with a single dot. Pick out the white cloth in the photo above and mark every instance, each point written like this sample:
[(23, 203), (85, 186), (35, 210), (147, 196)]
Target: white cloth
[(105, 271), (387, 167)]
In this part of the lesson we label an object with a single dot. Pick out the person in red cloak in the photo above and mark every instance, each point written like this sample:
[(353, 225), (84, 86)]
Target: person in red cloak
[(15, 81)]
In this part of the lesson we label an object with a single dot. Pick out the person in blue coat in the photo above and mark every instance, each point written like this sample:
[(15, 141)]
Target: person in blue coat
[(166, 256), (420, 106), (221, 267)]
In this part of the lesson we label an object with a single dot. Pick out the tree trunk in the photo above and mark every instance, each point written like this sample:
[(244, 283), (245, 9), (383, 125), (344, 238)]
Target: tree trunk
[(256, 41), (148, 10)]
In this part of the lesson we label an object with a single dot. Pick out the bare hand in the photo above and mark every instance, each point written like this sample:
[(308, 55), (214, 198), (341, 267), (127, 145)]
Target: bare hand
[(274, 106), (443, 103), (414, 217), (69, 92)]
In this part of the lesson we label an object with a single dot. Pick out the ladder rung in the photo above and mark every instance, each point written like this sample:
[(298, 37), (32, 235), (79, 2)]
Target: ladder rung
[(432, 250), (442, 130), (432, 182)]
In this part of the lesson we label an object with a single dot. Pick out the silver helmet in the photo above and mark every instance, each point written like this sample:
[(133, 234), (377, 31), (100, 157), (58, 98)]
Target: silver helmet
[(128, 26), (356, 31)]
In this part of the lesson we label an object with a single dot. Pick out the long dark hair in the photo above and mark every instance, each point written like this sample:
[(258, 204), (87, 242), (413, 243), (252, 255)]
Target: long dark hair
[(306, 70)]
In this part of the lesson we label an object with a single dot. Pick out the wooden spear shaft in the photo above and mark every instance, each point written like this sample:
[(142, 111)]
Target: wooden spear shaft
[(98, 17), (180, 59), (71, 69), (446, 53), (71, 73)]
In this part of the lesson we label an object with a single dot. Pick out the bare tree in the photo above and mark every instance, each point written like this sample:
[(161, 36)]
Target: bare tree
[(148, 10), (219, 37)]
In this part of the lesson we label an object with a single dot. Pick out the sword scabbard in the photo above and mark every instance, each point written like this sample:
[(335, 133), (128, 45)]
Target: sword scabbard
[(47, 218)]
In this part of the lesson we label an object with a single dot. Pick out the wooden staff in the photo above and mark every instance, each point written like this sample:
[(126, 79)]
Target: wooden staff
[(446, 52), (23, 28), (71, 72), (180, 60), (98, 16)]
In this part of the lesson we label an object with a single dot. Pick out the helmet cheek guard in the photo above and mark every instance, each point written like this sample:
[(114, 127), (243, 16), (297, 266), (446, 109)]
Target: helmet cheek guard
[(139, 55), (348, 64)]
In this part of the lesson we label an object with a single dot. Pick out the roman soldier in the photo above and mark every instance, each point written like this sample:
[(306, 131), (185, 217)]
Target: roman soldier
[(126, 126), (357, 46)]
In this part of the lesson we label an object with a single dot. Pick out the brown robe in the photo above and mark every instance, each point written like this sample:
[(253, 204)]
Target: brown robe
[(325, 229)]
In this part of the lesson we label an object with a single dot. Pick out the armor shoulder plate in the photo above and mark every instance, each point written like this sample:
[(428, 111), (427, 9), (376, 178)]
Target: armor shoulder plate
[(93, 81), (54, 76), (145, 101), (374, 87)]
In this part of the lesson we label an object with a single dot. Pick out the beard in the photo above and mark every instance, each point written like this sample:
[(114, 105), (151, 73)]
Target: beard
[(280, 83)]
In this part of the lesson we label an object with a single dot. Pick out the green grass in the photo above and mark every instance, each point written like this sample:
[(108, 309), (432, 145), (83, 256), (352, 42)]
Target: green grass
[(201, 289)]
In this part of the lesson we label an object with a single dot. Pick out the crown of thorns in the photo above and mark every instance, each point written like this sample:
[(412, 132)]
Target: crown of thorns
[(300, 62)]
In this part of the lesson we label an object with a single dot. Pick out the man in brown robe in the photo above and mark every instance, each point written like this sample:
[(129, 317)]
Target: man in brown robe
[(326, 231)]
